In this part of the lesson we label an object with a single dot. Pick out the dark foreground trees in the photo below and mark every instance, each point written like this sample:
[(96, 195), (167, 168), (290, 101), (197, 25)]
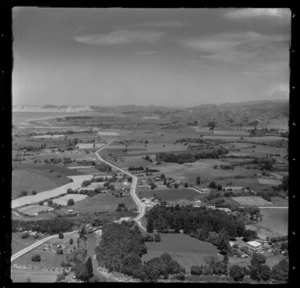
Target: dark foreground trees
[(121, 248), (237, 273)]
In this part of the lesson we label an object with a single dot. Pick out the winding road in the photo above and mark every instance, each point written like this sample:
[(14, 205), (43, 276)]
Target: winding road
[(141, 206)]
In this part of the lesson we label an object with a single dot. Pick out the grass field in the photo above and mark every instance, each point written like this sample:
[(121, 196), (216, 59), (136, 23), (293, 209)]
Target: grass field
[(18, 243), (64, 199), (43, 276), (48, 259), (101, 203), (36, 179), (186, 250), (272, 182), (34, 209), (170, 194), (251, 201), (274, 223)]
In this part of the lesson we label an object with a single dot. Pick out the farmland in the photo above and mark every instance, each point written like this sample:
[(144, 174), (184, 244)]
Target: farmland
[(251, 200), (170, 194), (186, 250)]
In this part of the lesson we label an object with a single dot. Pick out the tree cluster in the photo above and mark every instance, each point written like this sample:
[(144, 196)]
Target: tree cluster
[(181, 158)]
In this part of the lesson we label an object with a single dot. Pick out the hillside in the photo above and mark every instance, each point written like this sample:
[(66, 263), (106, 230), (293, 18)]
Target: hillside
[(51, 108)]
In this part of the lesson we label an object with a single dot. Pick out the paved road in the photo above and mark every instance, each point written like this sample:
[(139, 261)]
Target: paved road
[(141, 205), (37, 244)]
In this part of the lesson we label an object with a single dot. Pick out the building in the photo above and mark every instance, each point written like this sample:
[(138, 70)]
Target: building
[(233, 188), (205, 190), (254, 246)]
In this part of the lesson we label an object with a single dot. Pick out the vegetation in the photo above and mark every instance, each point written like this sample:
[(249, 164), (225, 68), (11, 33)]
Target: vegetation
[(52, 226)]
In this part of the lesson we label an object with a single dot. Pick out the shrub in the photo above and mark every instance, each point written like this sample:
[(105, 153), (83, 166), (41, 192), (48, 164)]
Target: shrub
[(237, 273), (157, 237), (60, 235), (36, 258), (71, 202)]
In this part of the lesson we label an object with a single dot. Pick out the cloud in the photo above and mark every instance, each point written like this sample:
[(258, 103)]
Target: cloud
[(258, 12), (121, 37)]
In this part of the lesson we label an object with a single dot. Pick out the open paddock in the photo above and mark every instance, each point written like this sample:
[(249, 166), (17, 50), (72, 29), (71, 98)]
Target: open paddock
[(34, 209), (266, 181), (64, 199), (31, 178), (48, 259), (42, 196), (170, 194), (274, 223), (186, 250), (18, 243), (101, 203), (39, 276), (251, 201)]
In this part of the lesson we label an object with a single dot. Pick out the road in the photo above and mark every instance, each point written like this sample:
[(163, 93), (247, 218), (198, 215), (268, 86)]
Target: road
[(37, 244), (141, 206)]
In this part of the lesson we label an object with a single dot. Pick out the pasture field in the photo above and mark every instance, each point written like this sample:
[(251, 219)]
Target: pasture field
[(266, 181), (36, 178), (274, 223), (170, 194), (251, 201), (64, 199), (34, 209), (38, 276), (101, 203), (18, 243), (186, 250), (42, 196), (48, 259)]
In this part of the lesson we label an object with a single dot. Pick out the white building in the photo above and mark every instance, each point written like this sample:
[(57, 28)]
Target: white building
[(254, 245)]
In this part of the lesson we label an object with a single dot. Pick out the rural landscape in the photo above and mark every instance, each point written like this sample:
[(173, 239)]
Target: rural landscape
[(151, 193)]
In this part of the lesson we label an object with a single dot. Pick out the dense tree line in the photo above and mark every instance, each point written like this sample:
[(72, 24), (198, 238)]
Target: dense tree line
[(52, 226), (190, 157)]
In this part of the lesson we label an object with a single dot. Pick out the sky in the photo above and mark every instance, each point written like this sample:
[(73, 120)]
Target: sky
[(170, 57)]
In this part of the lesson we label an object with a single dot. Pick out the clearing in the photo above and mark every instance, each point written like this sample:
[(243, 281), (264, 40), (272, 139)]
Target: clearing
[(186, 250)]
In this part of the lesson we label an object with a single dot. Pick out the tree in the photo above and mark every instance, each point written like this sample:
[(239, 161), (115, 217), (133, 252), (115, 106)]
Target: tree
[(280, 271), (198, 180), (70, 202), (157, 237), (237, 273), (50, 203), (81, 272), (89, 266), (36, 258), (186, 185), (249, 235), (223, 243), (258, 259), (41, 203), (213, 185), (33, 192), (226, 259), (196, 270), (60, 235), (59, 250), (71, 241), (219, 187), (150, 225)]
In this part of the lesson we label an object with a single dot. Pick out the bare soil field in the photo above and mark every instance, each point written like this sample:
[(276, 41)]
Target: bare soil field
[(186, 250), (251, 201), (170, 194)]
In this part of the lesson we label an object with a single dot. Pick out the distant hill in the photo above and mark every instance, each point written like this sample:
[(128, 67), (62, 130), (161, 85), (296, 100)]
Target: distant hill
[(233, 114), (51, 108)]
